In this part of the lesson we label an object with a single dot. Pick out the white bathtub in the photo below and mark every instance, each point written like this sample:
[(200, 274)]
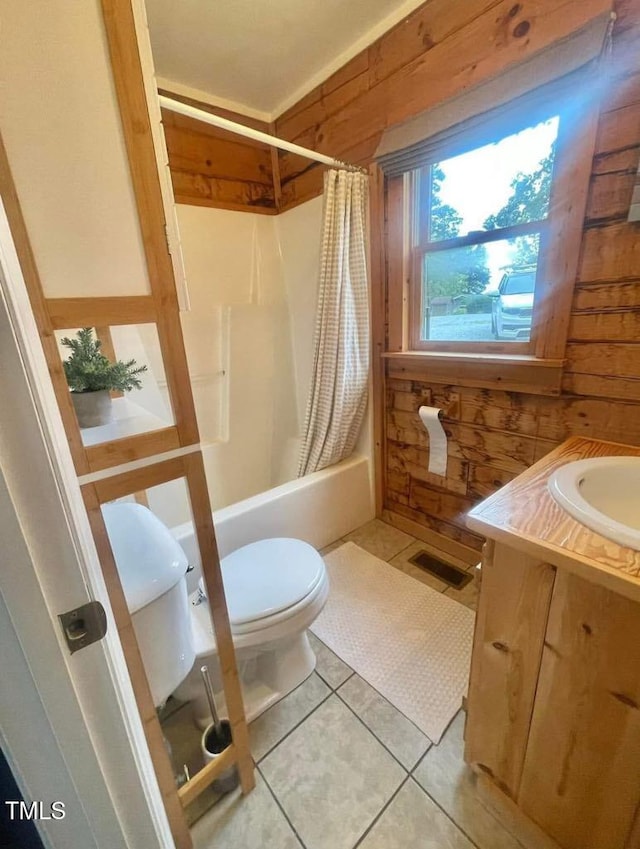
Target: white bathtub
[(318, 508)]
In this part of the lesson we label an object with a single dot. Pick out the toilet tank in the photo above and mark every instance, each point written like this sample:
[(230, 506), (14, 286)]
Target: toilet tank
[(152, 568)]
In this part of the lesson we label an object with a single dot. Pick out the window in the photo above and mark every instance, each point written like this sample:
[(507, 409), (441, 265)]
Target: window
[(482, 219)]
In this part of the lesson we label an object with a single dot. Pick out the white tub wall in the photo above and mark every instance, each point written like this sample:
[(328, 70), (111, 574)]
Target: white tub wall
[(299, 232), (234, 270)]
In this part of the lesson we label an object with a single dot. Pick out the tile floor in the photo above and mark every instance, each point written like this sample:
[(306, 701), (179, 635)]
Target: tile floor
[(339, 767)]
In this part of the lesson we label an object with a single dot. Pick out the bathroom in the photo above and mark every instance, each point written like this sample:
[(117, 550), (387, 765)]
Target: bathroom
[(251, 251)]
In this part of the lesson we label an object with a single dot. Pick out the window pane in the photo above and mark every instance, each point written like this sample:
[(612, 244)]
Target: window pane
[(480, 292), (494, 186)]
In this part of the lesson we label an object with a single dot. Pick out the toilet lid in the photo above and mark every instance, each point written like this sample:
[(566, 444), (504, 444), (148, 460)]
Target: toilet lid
[(268, 576)]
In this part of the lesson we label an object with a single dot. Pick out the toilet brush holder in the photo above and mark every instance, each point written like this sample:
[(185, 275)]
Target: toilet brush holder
[(214, 741)]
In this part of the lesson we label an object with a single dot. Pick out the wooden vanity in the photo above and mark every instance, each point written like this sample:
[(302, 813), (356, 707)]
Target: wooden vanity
[(553, 722)]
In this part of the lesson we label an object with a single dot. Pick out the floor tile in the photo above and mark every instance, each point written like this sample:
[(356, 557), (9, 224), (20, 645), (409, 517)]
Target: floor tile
[(380, 539), (406, 742), (414, 821), (245, 822), (328, 665), (448, 780), (269, 728), (331, 777)]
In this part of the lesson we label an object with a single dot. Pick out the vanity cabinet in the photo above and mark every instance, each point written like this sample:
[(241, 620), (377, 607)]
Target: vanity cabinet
[(553, 722)]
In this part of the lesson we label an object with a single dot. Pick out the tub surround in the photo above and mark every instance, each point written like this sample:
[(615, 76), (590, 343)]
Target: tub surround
[(553, 727)]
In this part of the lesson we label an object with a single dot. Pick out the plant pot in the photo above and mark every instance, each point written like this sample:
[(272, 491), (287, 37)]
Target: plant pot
[(93, 408)]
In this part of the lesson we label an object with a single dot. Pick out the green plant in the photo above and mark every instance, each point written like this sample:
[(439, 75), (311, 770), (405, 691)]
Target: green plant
[(88, 370)]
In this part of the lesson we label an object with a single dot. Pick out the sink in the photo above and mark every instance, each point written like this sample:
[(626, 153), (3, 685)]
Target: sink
[(603, 494)]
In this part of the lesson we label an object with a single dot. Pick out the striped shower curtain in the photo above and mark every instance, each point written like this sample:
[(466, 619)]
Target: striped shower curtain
[(338, 395)]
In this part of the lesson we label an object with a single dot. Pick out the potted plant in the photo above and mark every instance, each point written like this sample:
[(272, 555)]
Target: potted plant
[(91, 377)]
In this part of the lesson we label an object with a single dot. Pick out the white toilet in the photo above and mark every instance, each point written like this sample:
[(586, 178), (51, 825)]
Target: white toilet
[(274, 589)]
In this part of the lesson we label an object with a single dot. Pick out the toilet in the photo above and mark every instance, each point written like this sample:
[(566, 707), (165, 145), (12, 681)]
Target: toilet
[(274, 590)]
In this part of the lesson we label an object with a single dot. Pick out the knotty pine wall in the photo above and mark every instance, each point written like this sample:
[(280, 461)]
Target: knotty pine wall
[(211, 167), (439, 49)]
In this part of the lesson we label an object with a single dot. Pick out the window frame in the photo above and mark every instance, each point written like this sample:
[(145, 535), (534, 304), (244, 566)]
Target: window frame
[(495, 364), (421, 244)]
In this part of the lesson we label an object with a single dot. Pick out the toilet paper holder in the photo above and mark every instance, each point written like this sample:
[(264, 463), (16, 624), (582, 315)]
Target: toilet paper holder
[(450, 409)]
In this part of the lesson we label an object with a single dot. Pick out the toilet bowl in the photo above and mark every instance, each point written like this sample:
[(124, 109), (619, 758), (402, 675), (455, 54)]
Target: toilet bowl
[(274, 590)]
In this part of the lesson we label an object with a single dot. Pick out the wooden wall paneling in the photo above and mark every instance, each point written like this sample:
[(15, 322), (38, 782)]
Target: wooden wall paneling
[(611, 387), (597, 297), (129, 85), (450, 548), (610, 253), (203, 524), (151, 725), (447, 532), (38, 303), (570, 793), (214, 167), (216, 155), (508, 662), (378, 281), (429, 25), (236, 195), (610, 195)]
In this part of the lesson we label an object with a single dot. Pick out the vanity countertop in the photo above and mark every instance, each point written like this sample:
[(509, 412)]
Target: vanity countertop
[(524, 515)]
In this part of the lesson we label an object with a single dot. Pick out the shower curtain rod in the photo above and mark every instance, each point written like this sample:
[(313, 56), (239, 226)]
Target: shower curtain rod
[(249, 132)]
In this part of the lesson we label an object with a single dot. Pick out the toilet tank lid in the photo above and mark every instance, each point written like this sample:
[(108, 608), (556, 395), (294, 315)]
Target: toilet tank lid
[(150, 561), (268, 576)]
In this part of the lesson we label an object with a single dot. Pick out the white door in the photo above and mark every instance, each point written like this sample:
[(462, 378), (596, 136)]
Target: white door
[(69, 725)]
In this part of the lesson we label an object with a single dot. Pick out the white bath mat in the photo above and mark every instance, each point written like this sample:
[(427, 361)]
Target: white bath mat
[(411, 643)]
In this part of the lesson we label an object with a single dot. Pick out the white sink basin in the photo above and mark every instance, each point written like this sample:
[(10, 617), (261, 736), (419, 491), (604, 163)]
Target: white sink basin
[(603, 494)]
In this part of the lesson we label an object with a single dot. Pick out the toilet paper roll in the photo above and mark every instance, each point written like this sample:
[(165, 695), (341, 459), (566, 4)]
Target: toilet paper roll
[(437, 440)]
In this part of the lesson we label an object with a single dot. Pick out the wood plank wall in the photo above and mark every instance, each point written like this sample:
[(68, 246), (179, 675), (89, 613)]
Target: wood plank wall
[(438, 50), (211, 167)]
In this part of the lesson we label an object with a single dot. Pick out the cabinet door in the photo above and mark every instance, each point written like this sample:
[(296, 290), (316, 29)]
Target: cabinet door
[(581, 778), (512, 615)]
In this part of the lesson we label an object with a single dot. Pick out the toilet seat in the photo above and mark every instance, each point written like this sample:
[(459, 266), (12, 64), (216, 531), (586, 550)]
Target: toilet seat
[(272, 587)]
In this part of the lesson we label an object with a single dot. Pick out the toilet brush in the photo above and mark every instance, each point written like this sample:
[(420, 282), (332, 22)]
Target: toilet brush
[(217, 725), (215, 740)]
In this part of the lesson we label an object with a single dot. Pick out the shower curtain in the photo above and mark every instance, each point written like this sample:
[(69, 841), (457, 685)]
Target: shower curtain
[(338, 394)]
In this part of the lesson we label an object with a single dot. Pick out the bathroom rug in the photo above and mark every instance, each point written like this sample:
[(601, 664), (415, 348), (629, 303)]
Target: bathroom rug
[(409, 642)]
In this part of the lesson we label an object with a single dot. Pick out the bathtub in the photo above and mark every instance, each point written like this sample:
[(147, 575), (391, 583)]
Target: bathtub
[(318, 508)]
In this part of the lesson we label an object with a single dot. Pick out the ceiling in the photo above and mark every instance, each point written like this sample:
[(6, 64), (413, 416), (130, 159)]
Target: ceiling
[(261, 56)]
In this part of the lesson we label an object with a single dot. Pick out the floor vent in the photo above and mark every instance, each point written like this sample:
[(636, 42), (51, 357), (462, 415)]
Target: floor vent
[(452, 575)]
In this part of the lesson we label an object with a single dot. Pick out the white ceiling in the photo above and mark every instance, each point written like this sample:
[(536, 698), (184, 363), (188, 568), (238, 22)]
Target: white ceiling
[(261, 56)]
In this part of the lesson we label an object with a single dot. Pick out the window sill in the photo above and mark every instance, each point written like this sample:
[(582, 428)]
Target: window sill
[(510, 372)]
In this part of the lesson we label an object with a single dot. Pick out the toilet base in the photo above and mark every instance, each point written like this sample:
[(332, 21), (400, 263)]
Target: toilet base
[(267, 674)]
